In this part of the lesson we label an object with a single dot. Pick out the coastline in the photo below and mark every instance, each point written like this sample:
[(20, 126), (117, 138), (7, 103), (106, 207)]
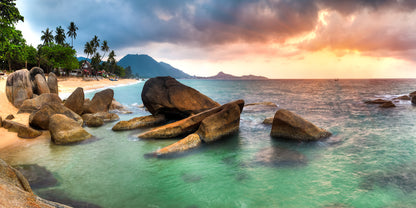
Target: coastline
[(66, 86)]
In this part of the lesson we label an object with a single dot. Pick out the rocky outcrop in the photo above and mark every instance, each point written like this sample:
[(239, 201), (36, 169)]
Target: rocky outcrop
[(139, 122), (184, 126), (21, 130), (377, 101), (36, 103), (40, 118), (412, 94), (100, 102), (15, 190), (289, 125), (167, 96), (220, 123), (75, 101), (107, 117), (387, 105), (65, 130), (41, 85), (268, 121), (19, 87), (53, 83), (403, 97), (92, 121)]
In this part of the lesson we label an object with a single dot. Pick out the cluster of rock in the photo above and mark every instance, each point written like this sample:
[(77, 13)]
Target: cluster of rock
[(390, 103), (201, 120), (64, 120)]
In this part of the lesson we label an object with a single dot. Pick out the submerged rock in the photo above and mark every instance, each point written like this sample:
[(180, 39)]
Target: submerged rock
[(403, 97), (291, 126), (402, 177), (100, 102), (15, 190), (139, 122), (21, 130), (62, 197), (278, 156), (53, 83), (36, 103), (19, 87), (38, 176), (75, 101), (40, 119), (165, 95), (377, 101), (268, 121), (65, 130), (387, 105)]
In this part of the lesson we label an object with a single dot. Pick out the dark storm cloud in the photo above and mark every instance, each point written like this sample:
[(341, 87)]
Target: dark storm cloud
[(127, 23)]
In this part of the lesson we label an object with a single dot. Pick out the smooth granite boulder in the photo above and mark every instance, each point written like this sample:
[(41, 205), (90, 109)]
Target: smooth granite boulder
[(65, 130), (75, 101), (289, 125), (92, 121), (41, 85), (21, 130), (100, 102), (36, 103), (53, 83), (189, 142), (167, 96), (139, 122), (107, 117), (15, 190), (33, 73), (19, 87), (40, 118)]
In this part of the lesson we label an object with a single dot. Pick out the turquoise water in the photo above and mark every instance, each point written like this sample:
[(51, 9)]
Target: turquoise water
[(369, 162)]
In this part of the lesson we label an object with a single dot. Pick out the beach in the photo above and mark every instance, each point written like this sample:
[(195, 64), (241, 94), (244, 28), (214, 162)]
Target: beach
[(66, 87)]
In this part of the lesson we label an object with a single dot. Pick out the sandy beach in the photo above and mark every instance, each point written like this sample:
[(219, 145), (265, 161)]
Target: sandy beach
[(66, 87)]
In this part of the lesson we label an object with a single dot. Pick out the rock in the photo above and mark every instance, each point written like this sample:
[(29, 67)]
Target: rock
[(10, 117), (189, 142), (139, 122), (165, 95), (75, 101), (40, 118), (414, 100), (412, 94), (100, 102), (1, 122), (268, 121), (387, 105), (277, 156), (403, 97), (53, 83), (33, 72), (65, 130), (35, 104), (87, 102), (15, 190), (92, 121), (223, 123), (291, 126), (117, 107), (38, 176), (107, 117), (21, 130), (19, 87), (184, 126), (377, 101), (41, 85)]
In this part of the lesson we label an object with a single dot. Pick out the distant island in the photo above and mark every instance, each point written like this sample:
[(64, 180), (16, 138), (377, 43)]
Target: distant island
[(223, 76)]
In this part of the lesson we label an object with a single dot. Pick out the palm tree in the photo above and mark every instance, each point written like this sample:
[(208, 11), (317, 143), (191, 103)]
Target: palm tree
[(47, 36), (60, 36), (88, 49), (72, 32), (111, 59), (104, 48), (95, 43)]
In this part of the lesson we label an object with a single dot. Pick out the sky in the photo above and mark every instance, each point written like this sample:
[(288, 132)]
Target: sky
[(278, 39)]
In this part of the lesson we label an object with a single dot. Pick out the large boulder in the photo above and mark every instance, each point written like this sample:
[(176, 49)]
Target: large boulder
[(41, 85), (33, 73), (19, 87), (289, 125), (36, 103), (92, 121), (100, 102), (165, 95), (65, 130), (189, 142), (414, 100), (40, 118), (75, 101), (53, 83), (21, 130), (139, 122), (15, 190), (107, 117)]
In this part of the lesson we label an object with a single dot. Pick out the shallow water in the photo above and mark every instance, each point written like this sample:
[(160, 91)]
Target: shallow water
[(368, 162)]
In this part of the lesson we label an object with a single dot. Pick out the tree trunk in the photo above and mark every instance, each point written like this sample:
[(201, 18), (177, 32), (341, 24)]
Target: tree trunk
[(10, 65)]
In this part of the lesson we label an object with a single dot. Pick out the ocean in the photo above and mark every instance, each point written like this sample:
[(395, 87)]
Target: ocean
[(370, 161)]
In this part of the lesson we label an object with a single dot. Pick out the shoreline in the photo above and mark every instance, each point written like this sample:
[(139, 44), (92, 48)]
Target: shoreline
[(66, 86)]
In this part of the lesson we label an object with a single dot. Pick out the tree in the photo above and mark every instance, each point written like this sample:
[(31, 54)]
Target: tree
[(104, 48), (12, 43), (60, 36), (72, 32), (47, 36), (95, 62), (58, 56), (95, 42), (112, 61), (88, 49)]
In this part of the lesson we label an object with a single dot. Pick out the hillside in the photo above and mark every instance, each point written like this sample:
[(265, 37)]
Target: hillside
[(147, 67), (224, 76)]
